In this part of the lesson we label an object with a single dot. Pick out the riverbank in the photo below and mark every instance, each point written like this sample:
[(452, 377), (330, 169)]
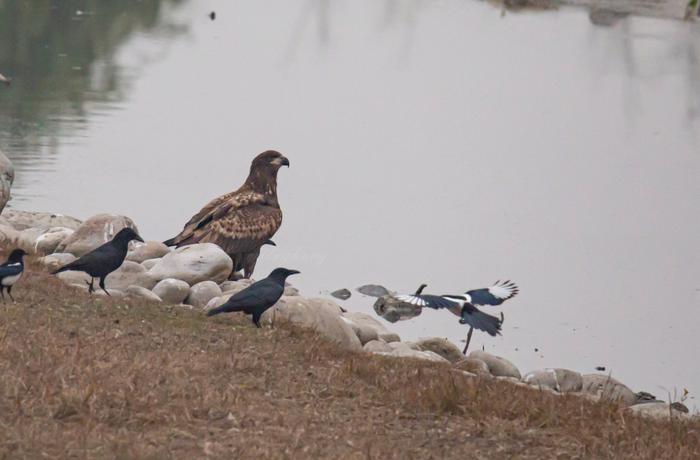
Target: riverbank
[(145, 373), (118, 377)]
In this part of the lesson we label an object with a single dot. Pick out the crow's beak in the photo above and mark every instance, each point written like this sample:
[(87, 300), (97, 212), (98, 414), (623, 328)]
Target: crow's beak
[(270, 242), (138, 238), (294, 272)]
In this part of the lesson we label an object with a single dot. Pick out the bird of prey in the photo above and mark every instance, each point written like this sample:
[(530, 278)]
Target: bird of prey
[(257, 297), (465, 306), (11, 271), (240, 222), (102, 261)]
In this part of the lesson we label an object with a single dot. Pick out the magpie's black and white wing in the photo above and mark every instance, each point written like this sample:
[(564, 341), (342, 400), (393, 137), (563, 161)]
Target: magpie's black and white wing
[(494, 295), (425, 300), (480, 320), (9, 273)]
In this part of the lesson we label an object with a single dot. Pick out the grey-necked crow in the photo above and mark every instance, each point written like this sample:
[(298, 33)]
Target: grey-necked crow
[(11, 271), (465, 305), (257, 297), (102, 261)]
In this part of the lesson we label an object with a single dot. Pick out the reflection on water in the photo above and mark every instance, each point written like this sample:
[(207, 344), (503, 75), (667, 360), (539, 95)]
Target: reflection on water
[(432, 142), (60, 55)]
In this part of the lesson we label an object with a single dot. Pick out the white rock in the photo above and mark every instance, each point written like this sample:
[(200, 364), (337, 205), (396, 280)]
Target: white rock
[(409, 353), (658, 410), (403, 346), (79, 278), (130, 274), (141, 293), (201, 293), (48, 241), (474, 366), (21, 220), (57, 260), (561, 380), (362, 331), (605, 387), (364, 321), (319, 314), (150, 263), (442, 347), (499, 367), (377, 346), (194, 263), (112, 292), (8, 235), (235, 286), (141, 252), (216, 302), (94, 232), (172, 290), (7, 177)]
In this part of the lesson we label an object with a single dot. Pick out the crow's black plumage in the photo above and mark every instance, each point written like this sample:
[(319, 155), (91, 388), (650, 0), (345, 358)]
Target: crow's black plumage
[(102, 261), (11, 271), (257, 297)]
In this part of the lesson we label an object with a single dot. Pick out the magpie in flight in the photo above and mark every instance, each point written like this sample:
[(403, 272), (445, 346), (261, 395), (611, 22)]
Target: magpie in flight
[(257, 297), (465, 306), (102, 261), (11, 271)]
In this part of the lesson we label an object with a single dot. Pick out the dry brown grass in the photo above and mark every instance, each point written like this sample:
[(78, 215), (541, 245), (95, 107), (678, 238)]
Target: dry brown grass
[(110, 378)]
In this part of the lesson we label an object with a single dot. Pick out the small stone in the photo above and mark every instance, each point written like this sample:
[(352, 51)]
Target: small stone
[(373, 290), (149, 263), (112, 292), (129, 274), (172, 290), (141, 292), (442, 347), (659, 410), (342, 294), (561, 380), (145, 251), (201, 293), (56, 260), (377, 346), (498, 367)]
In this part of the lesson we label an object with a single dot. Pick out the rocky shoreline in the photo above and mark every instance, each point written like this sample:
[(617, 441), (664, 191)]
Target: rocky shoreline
[(196, 277)]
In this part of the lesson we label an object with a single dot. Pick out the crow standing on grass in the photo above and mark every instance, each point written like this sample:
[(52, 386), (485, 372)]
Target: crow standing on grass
[(240, 222), (257, 297), (104, 260), (465, 305), (11, 271)]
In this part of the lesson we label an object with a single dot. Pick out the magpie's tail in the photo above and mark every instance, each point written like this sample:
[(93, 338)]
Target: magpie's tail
[(482, 321)]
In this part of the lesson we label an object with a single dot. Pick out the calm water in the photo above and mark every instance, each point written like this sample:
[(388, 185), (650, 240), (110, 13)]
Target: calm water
[(430, 141)]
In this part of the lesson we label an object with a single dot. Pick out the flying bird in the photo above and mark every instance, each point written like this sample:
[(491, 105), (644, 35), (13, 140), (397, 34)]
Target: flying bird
[(102, 261), (257, 297), (11, 271), (242, 221), (465, 306)]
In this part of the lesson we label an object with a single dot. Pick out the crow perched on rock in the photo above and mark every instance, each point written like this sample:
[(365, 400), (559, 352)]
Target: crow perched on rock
[(465, 305), (11, 271), (102, 261), (257, 297), (240, 222)]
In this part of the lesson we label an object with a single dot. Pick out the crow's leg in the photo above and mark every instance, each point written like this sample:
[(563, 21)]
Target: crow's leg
[(9, 288), (102, 285), (91, 287), (2, 293), (469, 339), (256, 320)]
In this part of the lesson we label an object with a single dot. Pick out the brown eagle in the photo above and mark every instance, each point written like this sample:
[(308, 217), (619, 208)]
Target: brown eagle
[(240, 222)]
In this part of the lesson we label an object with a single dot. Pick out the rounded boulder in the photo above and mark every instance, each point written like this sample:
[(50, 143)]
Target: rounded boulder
[(442, 347), (193, 264), (202, 292), (144, 251), (498, 367), (561, 380), (94, 232), (172, 290)]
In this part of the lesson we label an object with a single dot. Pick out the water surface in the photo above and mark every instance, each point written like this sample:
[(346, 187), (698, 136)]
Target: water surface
[(430, 141)]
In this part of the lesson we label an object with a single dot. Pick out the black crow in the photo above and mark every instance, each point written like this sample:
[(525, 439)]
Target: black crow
[(257, 297), (11, 271), (465, 305), (102, 261)]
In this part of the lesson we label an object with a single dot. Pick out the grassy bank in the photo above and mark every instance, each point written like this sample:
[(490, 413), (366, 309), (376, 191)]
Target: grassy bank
[(105, 378)]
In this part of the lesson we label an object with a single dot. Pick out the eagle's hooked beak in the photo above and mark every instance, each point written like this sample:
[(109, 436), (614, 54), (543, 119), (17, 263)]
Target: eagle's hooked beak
[(281, 161)]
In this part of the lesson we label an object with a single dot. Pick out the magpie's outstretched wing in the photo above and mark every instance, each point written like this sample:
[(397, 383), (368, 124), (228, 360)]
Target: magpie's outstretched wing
[(480, 320), (494, 295), (427, 300)]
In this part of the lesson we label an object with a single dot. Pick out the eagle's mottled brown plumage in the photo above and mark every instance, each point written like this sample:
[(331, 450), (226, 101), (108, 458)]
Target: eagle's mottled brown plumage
[(240, 222)]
